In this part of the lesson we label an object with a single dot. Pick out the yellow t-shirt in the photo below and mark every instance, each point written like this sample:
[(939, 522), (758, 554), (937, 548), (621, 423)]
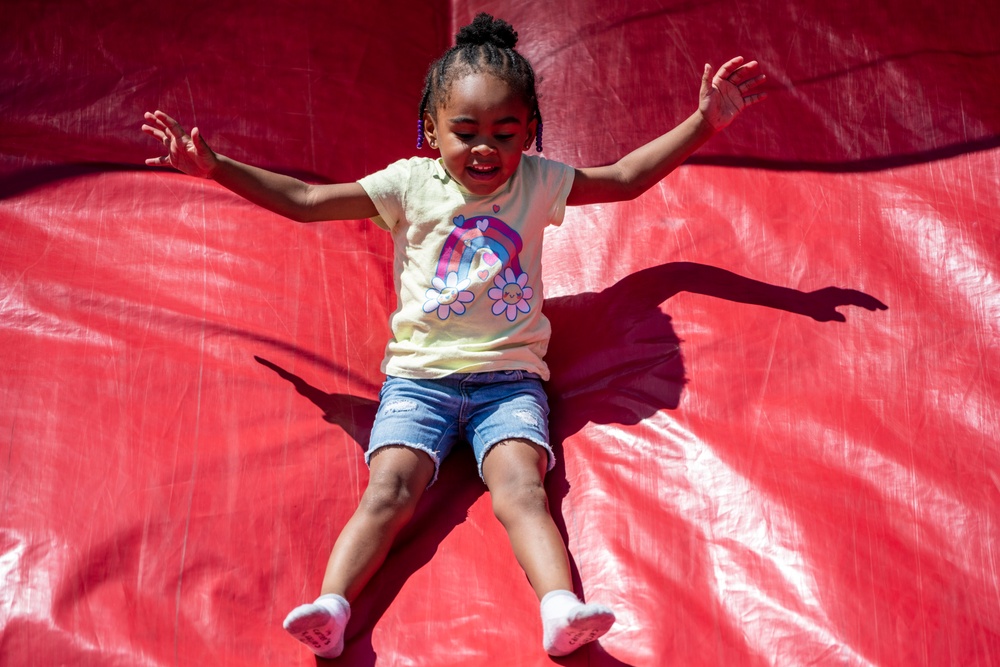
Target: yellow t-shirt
[(467, 268)]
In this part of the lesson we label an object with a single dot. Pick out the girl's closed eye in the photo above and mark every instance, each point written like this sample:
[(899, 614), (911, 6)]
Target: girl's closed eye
[(469, 136)]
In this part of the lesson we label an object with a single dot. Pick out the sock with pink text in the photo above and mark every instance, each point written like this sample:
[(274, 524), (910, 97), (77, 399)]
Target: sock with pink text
[(568, 624), (320, 625)]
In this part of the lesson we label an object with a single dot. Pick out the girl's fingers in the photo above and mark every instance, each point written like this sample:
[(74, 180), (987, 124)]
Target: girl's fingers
[(741, 74), (731, 66), (750, 85), (155, 120), (167, 126), (706, 80), (164, 119), (172, 126), (166, 130)]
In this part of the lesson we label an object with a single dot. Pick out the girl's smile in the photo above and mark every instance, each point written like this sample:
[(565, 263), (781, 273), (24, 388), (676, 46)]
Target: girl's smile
[(481, 130)]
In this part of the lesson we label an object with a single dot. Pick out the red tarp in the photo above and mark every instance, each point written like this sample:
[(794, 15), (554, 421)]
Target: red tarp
[(188, 381)]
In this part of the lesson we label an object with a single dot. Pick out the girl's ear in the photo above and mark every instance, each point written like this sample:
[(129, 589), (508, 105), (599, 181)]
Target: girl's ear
[(532, 129), (430, 131)]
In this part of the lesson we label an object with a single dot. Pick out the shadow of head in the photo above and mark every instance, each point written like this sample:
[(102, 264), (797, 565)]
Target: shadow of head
[(614, 356)]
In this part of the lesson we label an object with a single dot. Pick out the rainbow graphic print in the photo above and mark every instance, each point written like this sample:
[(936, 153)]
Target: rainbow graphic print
[(498, 247)]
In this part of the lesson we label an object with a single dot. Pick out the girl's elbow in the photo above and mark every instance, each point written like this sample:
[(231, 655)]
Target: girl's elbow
[(305, 206), (630, 185), (632, 193), (302, 214), (629, 191)]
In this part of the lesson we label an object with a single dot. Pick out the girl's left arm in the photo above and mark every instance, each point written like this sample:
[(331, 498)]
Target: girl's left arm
[(734, 87)]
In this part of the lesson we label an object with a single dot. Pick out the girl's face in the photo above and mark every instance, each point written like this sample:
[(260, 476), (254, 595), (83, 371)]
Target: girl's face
[(481, 129)]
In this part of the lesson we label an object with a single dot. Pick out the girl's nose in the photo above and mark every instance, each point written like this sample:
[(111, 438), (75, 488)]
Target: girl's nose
[(483, 148)]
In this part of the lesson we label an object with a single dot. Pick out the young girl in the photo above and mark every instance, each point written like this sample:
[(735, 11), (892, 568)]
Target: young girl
[(465, 362)]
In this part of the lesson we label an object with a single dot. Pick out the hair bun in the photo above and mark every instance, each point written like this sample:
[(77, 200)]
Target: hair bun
[(485, 29)]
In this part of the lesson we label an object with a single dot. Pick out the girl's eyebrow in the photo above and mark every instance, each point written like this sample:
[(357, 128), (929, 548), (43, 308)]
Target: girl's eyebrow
[(468, 120)]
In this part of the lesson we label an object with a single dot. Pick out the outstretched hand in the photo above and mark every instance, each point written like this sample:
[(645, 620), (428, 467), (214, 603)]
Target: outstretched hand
[(733, 88), (186, 152)]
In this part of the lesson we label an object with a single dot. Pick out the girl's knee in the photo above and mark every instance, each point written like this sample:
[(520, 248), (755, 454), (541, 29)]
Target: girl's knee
[(514, 471), (388, 501), (397, 480), (514, 462), (519, 499)]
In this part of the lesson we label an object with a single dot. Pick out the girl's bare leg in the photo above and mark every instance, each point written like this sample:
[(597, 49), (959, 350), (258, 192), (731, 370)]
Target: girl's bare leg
[(397, 479), (514, 471), (396, 482)]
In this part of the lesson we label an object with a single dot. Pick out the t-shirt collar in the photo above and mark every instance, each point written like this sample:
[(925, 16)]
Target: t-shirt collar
[(453, 183)]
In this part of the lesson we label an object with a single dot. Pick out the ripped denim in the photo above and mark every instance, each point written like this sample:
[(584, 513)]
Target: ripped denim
[(482, 409)]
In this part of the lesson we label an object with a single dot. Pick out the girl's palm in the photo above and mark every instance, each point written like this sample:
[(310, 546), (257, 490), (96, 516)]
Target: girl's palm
[(185, 152), (733, 88)]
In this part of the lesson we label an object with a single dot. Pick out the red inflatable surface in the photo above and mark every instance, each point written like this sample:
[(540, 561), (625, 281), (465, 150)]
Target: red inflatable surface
[(188, 382)]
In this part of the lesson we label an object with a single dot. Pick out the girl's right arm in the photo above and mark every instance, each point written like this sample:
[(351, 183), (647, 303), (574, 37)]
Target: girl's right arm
[(287, 196)]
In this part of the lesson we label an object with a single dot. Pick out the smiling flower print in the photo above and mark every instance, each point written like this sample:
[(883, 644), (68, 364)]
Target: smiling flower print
[(510, 294), (448, 296)]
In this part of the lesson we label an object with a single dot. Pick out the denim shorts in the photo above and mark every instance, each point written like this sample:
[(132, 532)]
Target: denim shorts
[(482, 409)]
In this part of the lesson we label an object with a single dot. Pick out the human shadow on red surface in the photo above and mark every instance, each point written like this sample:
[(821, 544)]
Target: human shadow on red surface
[(354, 414), (615, 358)]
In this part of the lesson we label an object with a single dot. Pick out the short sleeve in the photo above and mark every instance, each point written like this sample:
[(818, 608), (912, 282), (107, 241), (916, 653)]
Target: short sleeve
[(386, 189), (557, 179), (567, 174)]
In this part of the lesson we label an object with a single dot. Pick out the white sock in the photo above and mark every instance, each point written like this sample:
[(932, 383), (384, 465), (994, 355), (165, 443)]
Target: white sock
[(568, 624), (320, 625)]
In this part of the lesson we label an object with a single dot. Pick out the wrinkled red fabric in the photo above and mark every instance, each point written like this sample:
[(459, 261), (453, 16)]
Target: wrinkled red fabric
[(188, 381)]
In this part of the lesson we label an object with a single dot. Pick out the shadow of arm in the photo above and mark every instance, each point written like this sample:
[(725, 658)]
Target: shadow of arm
[(662, 282)]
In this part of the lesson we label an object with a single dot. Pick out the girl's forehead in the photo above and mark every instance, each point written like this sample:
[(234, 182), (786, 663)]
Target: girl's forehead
[(482, 92)]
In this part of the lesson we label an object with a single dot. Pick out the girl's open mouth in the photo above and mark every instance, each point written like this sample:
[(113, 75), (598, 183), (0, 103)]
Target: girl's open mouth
[(483, 172)]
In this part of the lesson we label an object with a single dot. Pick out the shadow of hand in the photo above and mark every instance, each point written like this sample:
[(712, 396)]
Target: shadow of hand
[(822, 304)]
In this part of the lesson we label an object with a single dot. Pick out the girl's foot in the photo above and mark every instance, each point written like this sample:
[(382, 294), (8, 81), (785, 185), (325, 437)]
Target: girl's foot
[(320, 625), (568, 624)]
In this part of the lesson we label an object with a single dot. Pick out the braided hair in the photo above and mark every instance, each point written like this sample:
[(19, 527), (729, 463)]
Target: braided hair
[(485, 45)]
